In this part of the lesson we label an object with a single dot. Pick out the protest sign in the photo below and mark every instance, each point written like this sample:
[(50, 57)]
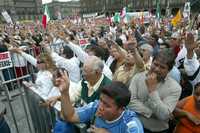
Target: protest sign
[(7, 17), (5, 60), (83, 42)]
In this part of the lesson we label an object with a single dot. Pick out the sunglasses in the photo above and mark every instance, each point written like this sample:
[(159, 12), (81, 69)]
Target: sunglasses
[(39, 62)]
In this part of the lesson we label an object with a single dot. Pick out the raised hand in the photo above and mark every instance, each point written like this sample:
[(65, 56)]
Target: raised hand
[(190, 42), (63, 82)]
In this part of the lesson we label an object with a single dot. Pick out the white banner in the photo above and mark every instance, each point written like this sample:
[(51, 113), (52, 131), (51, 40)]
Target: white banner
[(186, 11), (7, 17), (5, 60)]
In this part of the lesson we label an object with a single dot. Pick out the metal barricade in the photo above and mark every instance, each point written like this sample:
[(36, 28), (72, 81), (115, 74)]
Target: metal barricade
[(43, 118), (24, 114)]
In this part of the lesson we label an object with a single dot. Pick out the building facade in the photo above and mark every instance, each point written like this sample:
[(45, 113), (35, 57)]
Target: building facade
[(108, 6), (22, 9), (63, 9)]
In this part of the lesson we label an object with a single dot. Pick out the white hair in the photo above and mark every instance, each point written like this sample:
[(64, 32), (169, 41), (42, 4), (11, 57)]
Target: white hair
[(96, 63)]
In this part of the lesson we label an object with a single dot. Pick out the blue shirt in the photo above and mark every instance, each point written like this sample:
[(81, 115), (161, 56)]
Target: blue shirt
[(127, 123)]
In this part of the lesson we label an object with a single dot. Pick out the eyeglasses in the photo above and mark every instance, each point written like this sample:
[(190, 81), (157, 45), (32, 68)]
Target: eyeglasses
[(39, 62)]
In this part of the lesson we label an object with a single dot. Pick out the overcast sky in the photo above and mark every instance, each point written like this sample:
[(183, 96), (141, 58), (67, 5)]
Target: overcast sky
[(47, 1)]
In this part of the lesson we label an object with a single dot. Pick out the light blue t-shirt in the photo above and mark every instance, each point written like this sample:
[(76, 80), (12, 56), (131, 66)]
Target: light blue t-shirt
[(127, 123)]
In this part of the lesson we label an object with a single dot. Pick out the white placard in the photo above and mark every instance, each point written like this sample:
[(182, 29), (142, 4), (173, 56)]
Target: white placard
[(5, 60), (7, 17)]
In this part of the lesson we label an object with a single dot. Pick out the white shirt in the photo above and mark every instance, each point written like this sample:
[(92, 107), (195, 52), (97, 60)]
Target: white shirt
[(109, 61), (18, 60), (43, 82), (191, 66), (57, 45), (83, 56), (71, 65), (75, 93)]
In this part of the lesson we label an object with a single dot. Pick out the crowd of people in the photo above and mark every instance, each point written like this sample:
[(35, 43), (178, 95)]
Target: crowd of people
[(129, 77)]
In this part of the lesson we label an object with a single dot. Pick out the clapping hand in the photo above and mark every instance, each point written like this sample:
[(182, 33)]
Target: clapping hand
[(151, 82)]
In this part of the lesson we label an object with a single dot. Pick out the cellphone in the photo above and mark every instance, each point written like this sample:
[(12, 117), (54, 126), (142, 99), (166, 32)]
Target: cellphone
[(57, 74)]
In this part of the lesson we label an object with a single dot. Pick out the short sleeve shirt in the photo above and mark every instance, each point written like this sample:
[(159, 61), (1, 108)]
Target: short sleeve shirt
[(127, 123)]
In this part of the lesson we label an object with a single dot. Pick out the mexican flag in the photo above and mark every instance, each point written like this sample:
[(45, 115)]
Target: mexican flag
[(45, 17)]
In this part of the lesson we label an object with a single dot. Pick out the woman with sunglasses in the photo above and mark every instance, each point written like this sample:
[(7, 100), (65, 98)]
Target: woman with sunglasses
[(45, 65)]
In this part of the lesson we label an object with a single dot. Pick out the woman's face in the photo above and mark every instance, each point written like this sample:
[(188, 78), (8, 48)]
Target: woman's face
[(41, 65)]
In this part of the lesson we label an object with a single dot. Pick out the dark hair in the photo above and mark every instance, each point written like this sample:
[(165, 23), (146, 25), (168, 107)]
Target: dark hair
[(98, 51), (167, 57), (155, 36), (166, 44), (196, 86), (119, 92), (68, 52), (3, 47), (119, 42)]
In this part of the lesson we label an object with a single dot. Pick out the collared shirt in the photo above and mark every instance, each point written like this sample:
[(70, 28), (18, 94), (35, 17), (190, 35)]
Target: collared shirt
[(154, 108), (127, 122), (191, 67), (75, 93)]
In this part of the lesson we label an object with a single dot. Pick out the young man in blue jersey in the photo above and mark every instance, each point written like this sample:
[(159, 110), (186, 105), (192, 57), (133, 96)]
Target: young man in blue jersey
[(107, 115)]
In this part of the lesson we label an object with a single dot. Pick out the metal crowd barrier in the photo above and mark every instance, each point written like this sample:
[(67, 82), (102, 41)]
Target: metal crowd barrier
[(22, 101)]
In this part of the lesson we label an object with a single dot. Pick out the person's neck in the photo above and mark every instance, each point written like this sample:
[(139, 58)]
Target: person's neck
[(116, 118), (95, 80), (146, 59)]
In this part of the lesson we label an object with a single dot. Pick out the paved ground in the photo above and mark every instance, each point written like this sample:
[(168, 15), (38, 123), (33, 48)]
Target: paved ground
[(19, 113)]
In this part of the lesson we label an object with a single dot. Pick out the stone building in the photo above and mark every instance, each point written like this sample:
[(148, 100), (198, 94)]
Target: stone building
[(109, 6), (22, 9), (64, 9)]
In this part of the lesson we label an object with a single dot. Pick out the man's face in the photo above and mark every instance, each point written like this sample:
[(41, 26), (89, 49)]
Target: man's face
[(129, 59), (88, 72), (108, 110), (160, 68), (145, 53), (115, 52), (197, 97)]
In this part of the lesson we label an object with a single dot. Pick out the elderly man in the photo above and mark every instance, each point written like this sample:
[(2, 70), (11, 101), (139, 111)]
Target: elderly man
[(106, 117), (155, 93), (88, 89), (83, 56)]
